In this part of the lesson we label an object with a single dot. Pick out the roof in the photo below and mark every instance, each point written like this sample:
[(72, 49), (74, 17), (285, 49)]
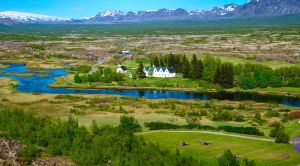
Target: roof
[(170, 69), (123, 68)]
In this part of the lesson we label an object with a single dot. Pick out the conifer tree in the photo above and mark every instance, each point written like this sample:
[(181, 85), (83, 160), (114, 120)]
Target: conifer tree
[(185, 67), (140, 71), (77, 78), (156, 61), (225, 75)]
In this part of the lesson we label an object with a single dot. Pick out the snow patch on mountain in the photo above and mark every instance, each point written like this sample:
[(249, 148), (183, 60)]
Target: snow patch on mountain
[(30, 17)]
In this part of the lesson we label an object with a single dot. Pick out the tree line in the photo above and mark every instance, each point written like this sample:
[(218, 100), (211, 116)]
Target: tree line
[(227, 75), (96, 145), (105, 75)]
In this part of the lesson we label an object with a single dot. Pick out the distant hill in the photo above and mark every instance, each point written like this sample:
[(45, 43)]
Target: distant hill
[(267, 8), (253, 8)]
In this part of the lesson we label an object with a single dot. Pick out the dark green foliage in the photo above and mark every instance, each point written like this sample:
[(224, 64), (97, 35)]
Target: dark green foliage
[(272, 114), (282, 138), (77, 79), (140, 72), (185, 67), (37, 47), (278, 132), (30, 153), (129, 125), (222, 115), (239, 118), (224, 75), (210, 66), (228, 159), (193, 118), (248, 162), (294, 82), (81, 69), (105, 75), (242, 130), (161, 126), (247, 82), (98, 146)]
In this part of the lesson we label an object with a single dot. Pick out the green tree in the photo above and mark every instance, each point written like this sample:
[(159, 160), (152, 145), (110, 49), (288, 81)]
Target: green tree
[(186, 67), (247, 82), (156, 61), (77, 78), (210, 65), (227, 75), (129, 124), (248, 162), (193, 118), (228, 159), (140, 71), (282, 137)]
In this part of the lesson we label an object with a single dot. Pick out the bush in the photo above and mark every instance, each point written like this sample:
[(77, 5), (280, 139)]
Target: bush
[(294, 83), (161, 126), (228, 159), (30, 153), (284, 110), (239, 118), (242, 130), (85, 148), (272, 114), (282, 138)]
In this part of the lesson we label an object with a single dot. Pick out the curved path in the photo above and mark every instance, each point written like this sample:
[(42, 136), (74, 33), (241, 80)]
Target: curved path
[(213, 133)]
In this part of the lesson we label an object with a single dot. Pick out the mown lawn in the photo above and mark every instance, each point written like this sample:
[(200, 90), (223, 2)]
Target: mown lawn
[(264, 153)]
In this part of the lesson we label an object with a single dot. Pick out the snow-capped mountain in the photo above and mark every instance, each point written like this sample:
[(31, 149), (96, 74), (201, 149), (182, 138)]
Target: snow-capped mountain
[(30, 17), (253, 8), (118, 16)]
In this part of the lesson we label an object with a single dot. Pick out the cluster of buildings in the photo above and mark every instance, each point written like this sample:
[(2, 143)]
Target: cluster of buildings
[(151, 71)]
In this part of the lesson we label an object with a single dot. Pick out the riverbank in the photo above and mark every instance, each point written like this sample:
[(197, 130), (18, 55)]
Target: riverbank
[(67, 82)]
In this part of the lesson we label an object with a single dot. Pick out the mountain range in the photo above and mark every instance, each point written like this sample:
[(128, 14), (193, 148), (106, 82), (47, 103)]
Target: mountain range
[(253, 8)]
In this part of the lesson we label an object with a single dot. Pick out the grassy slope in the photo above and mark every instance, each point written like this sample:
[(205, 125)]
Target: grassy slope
[(264, 153)]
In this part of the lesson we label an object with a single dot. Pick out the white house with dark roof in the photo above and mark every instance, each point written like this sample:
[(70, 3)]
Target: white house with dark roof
[(123, 70), (161, 72)]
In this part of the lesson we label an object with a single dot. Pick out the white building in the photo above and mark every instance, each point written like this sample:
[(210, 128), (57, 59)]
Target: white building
[(123, 70), (161, 72), (126, 52)]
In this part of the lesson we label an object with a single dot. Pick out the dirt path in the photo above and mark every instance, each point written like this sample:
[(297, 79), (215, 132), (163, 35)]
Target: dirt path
[(213, 133)]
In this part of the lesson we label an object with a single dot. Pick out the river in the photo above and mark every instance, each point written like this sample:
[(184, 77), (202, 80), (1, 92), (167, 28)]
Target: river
[(38, 81)]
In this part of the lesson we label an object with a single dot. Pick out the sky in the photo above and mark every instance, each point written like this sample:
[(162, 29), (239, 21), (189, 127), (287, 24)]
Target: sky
[(88, 8)]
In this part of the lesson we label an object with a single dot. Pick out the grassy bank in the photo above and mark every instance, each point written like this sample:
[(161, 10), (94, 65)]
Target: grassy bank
[(264, 153)]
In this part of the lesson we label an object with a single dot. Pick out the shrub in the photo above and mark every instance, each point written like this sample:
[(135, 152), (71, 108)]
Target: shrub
[(160, 126), (242, 130), (228, 159), (272, 114), (282, 138), (30, 153), (284, 110), (239, 118)]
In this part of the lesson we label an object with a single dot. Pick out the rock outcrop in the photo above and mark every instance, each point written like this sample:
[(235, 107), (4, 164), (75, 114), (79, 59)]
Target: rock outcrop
[(9, 149)]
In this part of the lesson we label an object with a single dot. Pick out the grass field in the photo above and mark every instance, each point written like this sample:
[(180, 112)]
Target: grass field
[(264, 153)]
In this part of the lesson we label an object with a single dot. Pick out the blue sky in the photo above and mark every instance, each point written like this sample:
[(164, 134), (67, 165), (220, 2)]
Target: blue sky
[(86, 8)]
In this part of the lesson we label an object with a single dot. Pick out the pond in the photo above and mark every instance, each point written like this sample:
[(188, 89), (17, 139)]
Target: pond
[(39, 81)]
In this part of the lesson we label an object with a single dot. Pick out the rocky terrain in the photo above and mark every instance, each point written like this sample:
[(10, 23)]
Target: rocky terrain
[(10, 148), (8, 152)]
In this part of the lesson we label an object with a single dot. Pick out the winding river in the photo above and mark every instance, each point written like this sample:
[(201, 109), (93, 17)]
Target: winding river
[(38, 81)]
